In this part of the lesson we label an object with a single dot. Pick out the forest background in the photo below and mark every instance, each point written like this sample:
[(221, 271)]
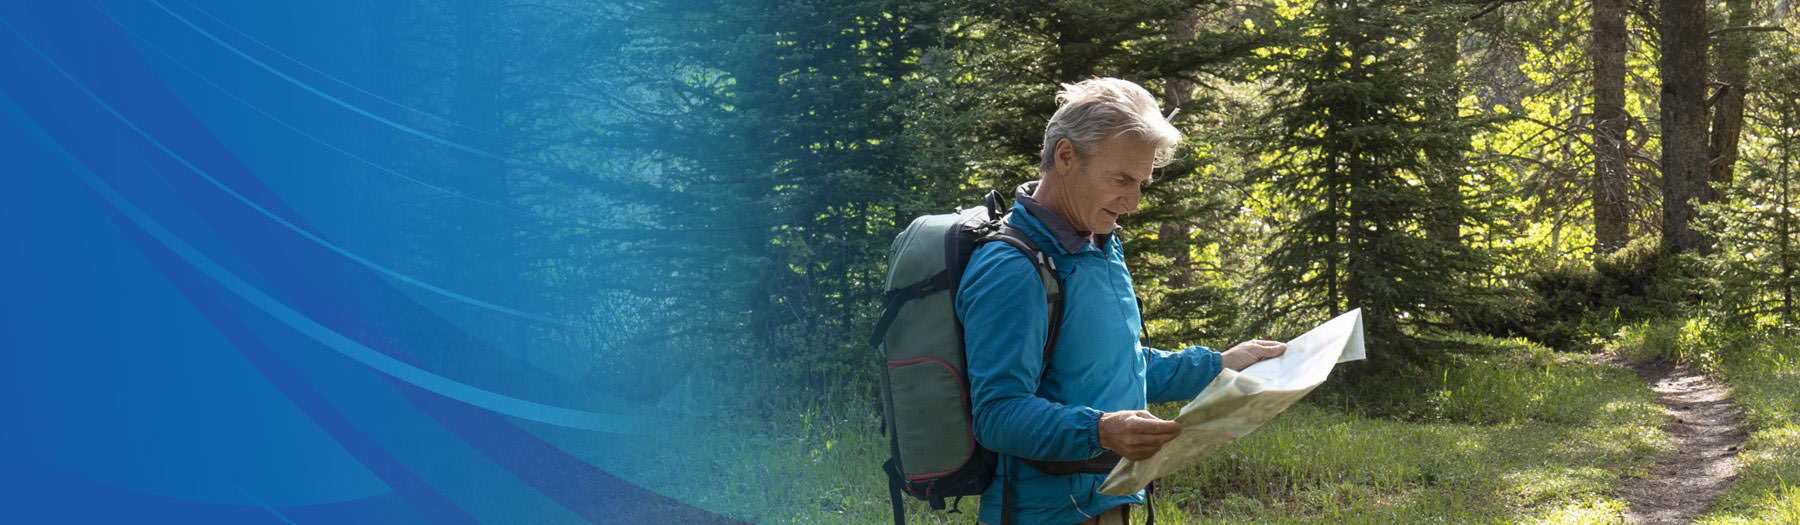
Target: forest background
[(1505, 187)]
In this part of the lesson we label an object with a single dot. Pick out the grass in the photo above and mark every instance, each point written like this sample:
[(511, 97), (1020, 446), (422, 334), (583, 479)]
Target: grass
[(1514, 434), (1522, 435), (1763, 372)]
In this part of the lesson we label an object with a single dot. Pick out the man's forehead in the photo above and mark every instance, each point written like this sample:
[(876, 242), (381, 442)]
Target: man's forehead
[(1145, 176)]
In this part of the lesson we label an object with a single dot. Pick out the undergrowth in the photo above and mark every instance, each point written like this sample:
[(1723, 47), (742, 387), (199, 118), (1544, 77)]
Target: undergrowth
[(1517, 433)]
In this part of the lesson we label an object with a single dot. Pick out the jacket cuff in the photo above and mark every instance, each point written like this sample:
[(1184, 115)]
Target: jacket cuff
[(1214, 360), (1090, 423)]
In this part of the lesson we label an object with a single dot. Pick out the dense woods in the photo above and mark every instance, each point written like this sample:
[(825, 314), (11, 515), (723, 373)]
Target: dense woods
[(1552, 169), (702, 194), (577, 260)]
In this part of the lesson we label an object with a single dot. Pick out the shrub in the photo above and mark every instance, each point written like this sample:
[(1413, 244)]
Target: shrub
[(1571, 305)]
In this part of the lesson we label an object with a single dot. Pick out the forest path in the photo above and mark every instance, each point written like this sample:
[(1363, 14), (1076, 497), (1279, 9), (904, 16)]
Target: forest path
[(1707, 439)]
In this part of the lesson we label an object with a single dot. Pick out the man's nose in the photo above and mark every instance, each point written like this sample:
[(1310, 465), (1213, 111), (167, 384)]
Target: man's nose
[(1132, 197)]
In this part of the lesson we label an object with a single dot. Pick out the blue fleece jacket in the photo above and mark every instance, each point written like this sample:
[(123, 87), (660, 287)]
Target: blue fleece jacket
[(1099, 365)]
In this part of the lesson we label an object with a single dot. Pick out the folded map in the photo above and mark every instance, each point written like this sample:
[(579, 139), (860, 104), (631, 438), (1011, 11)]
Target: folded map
[(1235, 403)]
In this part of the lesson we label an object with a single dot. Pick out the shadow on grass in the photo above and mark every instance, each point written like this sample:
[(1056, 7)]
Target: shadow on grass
[(1533, 437)]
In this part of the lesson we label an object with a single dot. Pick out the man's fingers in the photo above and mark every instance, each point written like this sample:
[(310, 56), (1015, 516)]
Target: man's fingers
[(1137, 434), (1144, 446), (1159, 427), (1159, 439), (1266, 348), (1146, 423)]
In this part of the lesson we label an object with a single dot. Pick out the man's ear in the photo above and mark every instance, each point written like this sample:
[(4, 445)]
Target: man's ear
[(1065, 156)]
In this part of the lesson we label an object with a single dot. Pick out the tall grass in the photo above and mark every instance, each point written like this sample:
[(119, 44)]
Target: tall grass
[(1523, 434), (1516, 437)]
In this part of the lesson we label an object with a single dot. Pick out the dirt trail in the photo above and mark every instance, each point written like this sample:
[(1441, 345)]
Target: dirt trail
[(1707, 440)]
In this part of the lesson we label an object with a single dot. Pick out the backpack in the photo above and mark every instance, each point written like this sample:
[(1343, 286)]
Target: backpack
[(924, 388)]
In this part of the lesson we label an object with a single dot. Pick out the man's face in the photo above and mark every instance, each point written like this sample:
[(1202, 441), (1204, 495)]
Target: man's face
[(1106, 184)]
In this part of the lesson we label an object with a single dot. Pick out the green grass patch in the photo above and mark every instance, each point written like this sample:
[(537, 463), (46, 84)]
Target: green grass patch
[(1535, 385), (1764, 374), (1494, 441), (1523, 435)]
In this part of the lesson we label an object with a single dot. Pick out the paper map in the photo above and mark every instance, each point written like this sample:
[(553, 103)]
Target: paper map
[(1235, 403)]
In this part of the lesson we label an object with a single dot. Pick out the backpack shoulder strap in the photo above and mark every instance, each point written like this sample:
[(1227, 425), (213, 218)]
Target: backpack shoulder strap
[(1053, 294), (1046, 268)]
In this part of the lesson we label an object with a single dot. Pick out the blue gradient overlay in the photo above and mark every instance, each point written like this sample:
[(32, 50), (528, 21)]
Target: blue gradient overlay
[(327, 262)]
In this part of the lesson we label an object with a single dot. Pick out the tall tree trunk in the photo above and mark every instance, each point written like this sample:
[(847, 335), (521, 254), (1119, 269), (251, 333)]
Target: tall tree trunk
[(1728, 114), (1179, 91), (1684, 120), (1071, 60), (1609, 186)]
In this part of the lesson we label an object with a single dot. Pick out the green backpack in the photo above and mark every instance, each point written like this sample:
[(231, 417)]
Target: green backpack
[(924, 388)]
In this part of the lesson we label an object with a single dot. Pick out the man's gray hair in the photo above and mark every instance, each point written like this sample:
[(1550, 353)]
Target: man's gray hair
[(1097, 108)]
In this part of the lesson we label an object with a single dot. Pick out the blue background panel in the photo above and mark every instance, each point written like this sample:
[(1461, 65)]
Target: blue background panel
[(309, 262)]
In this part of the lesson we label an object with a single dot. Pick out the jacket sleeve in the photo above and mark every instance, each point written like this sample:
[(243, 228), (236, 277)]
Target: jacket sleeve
[(1005, 322), (1178, 376)]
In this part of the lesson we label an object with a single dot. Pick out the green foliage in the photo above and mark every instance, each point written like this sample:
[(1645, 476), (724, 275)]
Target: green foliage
[(989, 86), (1336, 156), (1573, 305), (1754, 272), (1356, 163), (1535, 71), (820, 109)]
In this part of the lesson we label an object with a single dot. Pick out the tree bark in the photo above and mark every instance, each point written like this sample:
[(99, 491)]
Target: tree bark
[(1685, 149), (1610, 184), (1177, 92), (1728, 115)]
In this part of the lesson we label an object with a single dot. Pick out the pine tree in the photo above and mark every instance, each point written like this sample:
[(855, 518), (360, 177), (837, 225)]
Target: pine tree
[(1756, 268), (1356, 150), (993, 87)]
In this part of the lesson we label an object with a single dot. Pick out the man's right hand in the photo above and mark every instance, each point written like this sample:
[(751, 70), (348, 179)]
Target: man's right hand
[(1135, 434)]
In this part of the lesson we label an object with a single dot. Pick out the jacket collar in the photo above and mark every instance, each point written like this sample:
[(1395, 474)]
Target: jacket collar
[(1069, 240)]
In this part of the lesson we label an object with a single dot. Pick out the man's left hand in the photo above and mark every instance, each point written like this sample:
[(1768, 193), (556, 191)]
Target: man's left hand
[(1249, 352)]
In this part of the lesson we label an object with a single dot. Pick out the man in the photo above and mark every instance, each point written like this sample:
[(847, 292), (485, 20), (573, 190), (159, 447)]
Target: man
[(1099, 150)]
